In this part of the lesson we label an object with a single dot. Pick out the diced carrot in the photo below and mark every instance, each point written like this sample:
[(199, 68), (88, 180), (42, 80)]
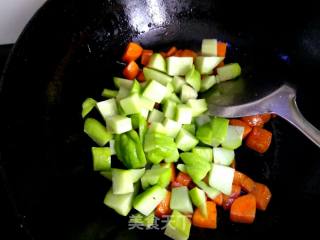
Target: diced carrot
[(233, 164), (259, 139), (183, 178), (257, 120), (132, 52), (237, 178), (145, 57), (163, 54), (178, 53), (221, 49), (210, 221), (140, 77), (131, 70), (163, 209), (262, 195), (219, 199), (238, 122), (246, 183), (243, 209), (228, 200), (171, 51), (188, 53)]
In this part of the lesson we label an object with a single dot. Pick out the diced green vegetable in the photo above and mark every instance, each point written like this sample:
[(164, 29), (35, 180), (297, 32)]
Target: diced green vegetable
[(173, 97), (147, 201), (228, 71), (170, 90), (223, 156), (179, 66), (151, 74), (207, 82), (198, 198), (174, 156), (108, 93), (146, 103), (205, 65), (205, 152), (87, 106), (121, 181), (211, 192), (108, 108), (202, 119), (122, 82), (204, 133), (198, 106), (193, 77), (119, 124), (183, 114), (169, 109), (177, 83), (180, 200), (135, 88), (157, 62), (233, 139), (196, 166), (172, 127), (101, 158), (157, 127), (178, 227), (187, 93), (97, 132), (131, 104), (155, 91), (185, 141), (123, 93), (160, 176), (121, 203), (209, 47), (219, 128), (155, 116), (191, 128), (221, 178)]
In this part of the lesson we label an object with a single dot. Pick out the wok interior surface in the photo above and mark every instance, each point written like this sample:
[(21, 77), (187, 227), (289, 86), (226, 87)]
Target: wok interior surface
[(69, 52)]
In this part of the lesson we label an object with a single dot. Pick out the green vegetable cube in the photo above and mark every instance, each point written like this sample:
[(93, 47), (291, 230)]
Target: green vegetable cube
[(179, 66), (101, 158), (185, 141), (228, 71), (131, 104), (198, 106), (207, 82), (155, 116), (147, 201), (183, 114), (187, 93), (119, 124), (223, 156), (178, 227), (204, 152), (151, 74), (193, 78), (87, 106), (108, 108), (157, 62), (205, 65), (221, 178), (172, 127), (177, 83), (121, 203), (169, 109), (233, 139), (209, 47), (154, 91), (97, 132), (180, 200)]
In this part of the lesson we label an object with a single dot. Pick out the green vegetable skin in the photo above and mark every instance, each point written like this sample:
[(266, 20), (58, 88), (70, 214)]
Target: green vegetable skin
[(129, 150), (142, 136)]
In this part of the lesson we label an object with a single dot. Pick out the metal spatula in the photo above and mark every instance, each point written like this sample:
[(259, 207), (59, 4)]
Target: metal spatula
[(236, 99)]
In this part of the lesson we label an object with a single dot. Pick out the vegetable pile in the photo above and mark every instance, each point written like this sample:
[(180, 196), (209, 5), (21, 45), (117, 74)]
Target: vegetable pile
[(175, 160)]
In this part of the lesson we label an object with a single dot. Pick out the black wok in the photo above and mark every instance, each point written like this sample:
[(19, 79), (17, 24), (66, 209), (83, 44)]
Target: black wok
[(68, 52)]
